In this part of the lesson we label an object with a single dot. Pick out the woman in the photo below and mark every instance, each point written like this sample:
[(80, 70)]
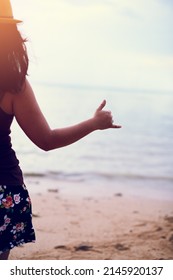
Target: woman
[(17, 100)]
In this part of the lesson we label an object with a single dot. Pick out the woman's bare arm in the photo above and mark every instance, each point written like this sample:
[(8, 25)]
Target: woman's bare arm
[(32, 121)]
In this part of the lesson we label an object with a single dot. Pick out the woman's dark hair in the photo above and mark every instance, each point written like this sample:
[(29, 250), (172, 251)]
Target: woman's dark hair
[(13, 59)]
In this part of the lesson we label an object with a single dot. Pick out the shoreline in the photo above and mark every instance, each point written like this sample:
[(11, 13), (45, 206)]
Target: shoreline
[(37, 184), (115, 226)]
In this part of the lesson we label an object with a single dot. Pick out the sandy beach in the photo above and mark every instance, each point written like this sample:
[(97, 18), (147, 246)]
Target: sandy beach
[(110, 227)]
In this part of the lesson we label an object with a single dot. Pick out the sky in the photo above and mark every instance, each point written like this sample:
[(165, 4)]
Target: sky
[(122, 44)]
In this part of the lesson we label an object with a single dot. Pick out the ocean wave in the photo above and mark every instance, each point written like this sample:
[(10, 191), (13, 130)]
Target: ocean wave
[(77, 176)]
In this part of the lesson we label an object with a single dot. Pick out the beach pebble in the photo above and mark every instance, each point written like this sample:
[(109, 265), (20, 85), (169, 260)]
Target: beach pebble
[(53, 190), (83, 247), (61, 247), (121, 247)]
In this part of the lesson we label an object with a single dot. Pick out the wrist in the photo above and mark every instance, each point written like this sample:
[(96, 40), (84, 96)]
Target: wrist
[(94, 123)]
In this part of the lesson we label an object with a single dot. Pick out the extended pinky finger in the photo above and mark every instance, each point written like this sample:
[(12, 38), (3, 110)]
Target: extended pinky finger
[(116, 126)]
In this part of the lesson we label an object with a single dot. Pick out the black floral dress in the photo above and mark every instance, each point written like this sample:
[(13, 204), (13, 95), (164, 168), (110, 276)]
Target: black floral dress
[(15, 217)]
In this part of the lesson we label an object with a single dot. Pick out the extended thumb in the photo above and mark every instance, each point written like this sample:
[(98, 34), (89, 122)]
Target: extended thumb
[(102, 105)]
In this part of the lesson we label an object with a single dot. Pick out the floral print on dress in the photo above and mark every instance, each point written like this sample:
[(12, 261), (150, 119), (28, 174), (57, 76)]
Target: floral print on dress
[(17, 198), (7, 202), (15, 217)]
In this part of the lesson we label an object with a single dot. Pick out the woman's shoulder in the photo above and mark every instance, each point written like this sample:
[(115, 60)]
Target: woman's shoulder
[(8, 99)]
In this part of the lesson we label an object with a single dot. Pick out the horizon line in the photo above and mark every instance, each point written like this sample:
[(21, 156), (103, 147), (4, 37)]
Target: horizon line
[(101, 87)]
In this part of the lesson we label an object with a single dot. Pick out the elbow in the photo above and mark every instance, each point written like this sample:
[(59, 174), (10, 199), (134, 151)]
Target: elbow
[(44, 141), (46, 147)]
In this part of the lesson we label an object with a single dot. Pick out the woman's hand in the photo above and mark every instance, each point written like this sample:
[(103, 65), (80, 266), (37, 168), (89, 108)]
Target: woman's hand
[(103, 119)]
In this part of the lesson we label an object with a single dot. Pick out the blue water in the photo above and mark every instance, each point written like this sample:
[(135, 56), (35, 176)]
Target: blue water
[(137, 158)]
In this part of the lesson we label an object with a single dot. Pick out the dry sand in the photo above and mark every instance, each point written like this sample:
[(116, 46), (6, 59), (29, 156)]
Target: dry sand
[(113, 227)]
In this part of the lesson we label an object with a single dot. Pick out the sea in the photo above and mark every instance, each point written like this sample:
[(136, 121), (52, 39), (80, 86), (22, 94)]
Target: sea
[(136, 159)]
